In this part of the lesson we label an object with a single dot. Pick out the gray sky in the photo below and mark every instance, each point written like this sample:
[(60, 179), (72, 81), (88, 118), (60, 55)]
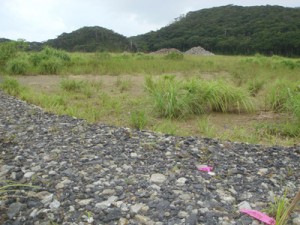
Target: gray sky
[(40, 20)]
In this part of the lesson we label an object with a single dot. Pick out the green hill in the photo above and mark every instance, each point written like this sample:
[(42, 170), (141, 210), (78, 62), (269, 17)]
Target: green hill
[(230, 30), (91, 39)]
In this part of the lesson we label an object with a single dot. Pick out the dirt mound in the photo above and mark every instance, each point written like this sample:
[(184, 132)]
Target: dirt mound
[(166, 51), (198, 51)]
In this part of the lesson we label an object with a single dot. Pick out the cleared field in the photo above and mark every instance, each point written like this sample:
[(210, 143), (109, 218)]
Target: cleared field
[(249, 99)]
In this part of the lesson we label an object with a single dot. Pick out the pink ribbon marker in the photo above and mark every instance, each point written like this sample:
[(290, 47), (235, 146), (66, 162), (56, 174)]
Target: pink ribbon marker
[(205, 168), (259, 215)]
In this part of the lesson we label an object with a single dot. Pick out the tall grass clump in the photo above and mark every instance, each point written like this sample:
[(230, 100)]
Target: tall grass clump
[(220, 96), (50, 60), (72, 85), (174, 98), (171, 100), (279, 95), (138, 119), (18, 66), (174, 56), (11, 86)]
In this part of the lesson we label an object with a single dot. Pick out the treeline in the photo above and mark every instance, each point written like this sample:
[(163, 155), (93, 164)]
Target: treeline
[(230, 30)]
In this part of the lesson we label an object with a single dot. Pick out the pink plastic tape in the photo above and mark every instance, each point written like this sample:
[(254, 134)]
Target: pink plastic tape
[(205, 168), (259, 216)]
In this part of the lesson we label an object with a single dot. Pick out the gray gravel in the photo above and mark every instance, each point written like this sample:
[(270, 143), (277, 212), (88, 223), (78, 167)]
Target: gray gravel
[(99, 174)]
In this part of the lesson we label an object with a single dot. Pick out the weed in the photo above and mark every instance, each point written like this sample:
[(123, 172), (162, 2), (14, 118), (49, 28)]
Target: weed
[(72, 85), (174, 56), (123, 84), (17, 66), (281, 208), (279, 94), (166, 127), (11, 86), (50, 66), (205, 127), (12, 187), (254, 86), (138, 119)]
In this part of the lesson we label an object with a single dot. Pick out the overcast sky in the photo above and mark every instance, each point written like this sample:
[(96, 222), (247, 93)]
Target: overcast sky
[(40, 20)]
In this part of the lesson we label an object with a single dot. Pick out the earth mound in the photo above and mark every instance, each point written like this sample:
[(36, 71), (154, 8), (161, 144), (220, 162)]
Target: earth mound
[(198, 51)]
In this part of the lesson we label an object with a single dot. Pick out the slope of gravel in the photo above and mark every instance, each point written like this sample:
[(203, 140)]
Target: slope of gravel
[(99, 174)]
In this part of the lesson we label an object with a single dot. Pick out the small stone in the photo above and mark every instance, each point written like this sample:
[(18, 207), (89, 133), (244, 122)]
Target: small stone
[(262, 171), (28, 174), (182, 214), (36, 168), (63, 183), (5, 169), (45, 197), (244, 205), (181, 181), (14, 209), (143, 220), (133, 155), (136, 208), (157, 178), (85, 201), (296, 221), (185, 197), (107, 203), (54, 205), (108, 192), (122, 221), (34, 212)]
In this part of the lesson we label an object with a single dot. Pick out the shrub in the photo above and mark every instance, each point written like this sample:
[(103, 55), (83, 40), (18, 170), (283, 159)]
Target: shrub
[(9, 50), (50, 60)]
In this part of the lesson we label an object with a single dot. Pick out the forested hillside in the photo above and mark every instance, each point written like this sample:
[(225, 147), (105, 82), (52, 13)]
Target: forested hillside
[(90, 39), (230, 30)]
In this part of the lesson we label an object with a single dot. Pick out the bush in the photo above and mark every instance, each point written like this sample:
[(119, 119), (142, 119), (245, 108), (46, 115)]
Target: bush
[(17, 66), (50, 60), (9, 50)]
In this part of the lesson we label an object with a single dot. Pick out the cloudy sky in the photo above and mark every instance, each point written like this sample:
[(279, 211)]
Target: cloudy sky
[(40, 20)]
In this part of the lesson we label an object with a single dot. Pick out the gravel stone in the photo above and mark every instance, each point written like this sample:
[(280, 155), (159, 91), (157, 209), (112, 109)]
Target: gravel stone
[(157, 178), (125, 176)]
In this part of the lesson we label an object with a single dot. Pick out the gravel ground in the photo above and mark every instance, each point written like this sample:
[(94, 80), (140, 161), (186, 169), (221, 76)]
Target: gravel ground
[(99, 174)]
